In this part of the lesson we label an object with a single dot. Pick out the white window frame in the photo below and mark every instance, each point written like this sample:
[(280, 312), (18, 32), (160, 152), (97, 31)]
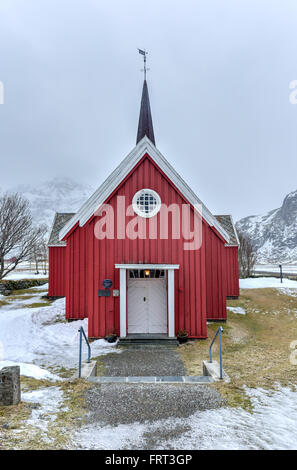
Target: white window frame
[(154, 211), (170, 294)]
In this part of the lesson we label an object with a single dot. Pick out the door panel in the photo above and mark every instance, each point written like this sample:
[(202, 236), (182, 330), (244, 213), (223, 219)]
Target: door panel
[(157, 306), (147, 306), (137, 306)]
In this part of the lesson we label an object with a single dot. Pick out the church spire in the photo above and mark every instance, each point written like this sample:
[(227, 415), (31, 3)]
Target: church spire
[(145, 124)]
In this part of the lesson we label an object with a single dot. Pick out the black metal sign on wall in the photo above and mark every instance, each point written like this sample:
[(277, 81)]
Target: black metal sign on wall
[(104, 293)]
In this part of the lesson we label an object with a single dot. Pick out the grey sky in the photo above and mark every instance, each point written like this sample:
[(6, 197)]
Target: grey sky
[(219, 89)]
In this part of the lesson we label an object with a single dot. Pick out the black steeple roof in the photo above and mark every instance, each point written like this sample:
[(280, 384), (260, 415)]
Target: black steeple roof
[(145, 124)]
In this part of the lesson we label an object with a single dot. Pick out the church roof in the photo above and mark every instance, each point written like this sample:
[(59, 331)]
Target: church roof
[(145, 146), (226, 222), (145, 124), (61, 218)]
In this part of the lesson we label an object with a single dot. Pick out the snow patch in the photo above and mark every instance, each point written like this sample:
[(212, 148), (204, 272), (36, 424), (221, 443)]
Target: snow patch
[(31, 370), (19, 275), (50, 400), (266, 282), (238, 310), (43, 337)]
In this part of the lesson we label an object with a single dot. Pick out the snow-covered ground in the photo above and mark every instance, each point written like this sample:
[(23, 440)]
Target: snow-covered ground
[(26, 274), (49, 402), (265, 282), (27, 270), (41, 336), (271, 425)]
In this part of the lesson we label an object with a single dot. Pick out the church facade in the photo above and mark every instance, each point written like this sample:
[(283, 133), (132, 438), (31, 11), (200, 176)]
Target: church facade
[(144, 255)]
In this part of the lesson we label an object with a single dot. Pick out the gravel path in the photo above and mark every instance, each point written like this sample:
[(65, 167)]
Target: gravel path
[(143, 362), (159, 409), (114, 404)]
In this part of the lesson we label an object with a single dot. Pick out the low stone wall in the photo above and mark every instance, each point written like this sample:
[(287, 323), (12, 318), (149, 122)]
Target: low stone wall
[(7, 286), (10, 386)]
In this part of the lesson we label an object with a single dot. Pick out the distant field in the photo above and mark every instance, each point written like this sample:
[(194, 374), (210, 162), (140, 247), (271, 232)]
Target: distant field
[(274, 269), (27, 270)]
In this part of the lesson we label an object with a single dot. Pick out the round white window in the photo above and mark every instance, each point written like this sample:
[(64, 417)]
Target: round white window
[(146, 203)]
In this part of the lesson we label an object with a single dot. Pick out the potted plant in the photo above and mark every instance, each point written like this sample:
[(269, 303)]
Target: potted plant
[(111, 337), (182, 336)]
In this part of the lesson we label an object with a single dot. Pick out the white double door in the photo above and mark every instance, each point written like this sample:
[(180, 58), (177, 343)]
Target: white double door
[(147, 306)]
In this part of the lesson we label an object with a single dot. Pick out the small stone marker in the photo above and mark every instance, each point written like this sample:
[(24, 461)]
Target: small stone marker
[(10, 386)]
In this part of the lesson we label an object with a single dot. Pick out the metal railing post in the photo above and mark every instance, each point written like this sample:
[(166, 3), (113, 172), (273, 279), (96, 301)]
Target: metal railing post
[(221, 360), (81, 333), (219, 331), (80, 348)]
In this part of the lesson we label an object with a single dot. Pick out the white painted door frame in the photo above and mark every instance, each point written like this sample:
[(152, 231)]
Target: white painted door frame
[(170, 293)]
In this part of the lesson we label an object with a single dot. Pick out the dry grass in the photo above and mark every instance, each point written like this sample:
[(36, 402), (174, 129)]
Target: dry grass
[(59, 432), (256, 346), (38, 304)]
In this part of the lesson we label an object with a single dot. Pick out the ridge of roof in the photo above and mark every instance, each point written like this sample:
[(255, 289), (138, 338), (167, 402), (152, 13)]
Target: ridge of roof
[(144, 146)]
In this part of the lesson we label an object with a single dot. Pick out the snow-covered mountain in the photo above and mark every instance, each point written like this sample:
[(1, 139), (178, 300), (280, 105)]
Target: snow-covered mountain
[(56, 195), (274, 234)]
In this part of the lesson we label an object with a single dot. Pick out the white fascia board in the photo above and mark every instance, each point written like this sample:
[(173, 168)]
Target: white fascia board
[(112, 182), (105, 189), (147, 266), (57, 246)]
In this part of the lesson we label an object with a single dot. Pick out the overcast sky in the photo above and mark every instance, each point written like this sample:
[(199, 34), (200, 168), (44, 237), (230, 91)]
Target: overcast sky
[(218, 81)]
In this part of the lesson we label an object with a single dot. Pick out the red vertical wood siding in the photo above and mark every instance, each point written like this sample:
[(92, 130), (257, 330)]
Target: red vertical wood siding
[(75, 274), (215, 277), (190, 279), (56, 274), (232, 271), (199, 288)]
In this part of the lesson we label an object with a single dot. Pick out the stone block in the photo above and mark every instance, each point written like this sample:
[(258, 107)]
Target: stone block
[(10, 386)]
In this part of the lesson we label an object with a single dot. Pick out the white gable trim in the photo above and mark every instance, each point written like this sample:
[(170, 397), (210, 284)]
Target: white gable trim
[(116, 177), (147, 266)]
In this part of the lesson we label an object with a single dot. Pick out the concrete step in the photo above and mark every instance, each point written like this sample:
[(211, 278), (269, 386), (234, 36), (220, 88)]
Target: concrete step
[(148, 340), (199, 380)]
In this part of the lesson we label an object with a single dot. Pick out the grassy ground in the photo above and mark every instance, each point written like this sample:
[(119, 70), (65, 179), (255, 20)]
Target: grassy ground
[(16, 434), (26, 294), (256, 350), (256, 346)]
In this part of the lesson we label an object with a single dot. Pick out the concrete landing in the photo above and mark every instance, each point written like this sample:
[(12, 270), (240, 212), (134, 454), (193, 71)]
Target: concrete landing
[(199, 380), (212, 369)]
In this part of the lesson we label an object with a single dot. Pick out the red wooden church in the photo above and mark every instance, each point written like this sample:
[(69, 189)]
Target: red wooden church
[(126, 259)]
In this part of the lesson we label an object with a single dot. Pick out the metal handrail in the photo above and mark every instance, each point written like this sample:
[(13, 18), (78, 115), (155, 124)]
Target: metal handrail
[(81, 334), (219, 331)]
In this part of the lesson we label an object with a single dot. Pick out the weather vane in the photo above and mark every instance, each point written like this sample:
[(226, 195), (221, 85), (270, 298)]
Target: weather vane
[(144, 53)]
